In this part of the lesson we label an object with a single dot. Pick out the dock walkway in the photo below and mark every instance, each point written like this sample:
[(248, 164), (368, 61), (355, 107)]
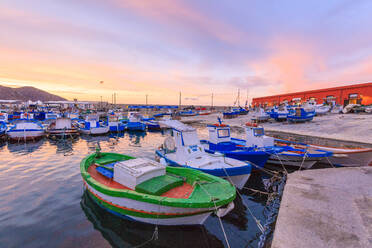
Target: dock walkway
[(326, 208)]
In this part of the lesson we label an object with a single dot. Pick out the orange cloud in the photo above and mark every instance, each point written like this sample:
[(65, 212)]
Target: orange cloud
[(289, 66)]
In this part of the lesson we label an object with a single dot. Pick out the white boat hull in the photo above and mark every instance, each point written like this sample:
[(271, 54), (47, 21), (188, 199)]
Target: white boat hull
[(18, 135), (96, 130), (238, 181), (194, 216)]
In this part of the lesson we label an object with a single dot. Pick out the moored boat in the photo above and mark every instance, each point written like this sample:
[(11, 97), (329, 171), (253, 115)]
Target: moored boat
[(184, 150), (281, 154), (115, 125), (62, 127), (3, 128), (25, 130), (220, 142), (147, 191), (348, 157), (134, 122), (93, 126)]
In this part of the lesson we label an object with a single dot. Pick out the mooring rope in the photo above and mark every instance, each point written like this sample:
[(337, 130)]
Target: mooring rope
[(258, 223), (303, 159), (219, 218), (155, 234)]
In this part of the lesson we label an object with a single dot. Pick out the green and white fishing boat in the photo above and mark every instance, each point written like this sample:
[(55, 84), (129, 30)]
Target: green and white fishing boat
[(147, 191)]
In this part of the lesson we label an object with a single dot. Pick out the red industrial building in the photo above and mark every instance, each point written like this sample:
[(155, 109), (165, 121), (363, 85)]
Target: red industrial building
[(343, 95)]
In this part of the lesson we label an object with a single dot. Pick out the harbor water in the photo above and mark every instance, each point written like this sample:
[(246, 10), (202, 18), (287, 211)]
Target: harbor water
[(43, 203)]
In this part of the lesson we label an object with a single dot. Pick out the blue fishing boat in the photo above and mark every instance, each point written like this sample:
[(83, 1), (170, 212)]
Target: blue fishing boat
[(3, 128), (220, 142), (234, 112), (134, 122), (188, 113), (114, 124), (184, 149), (279, 113), (152, 124), (93, 126), (281, 154), (300, 114)]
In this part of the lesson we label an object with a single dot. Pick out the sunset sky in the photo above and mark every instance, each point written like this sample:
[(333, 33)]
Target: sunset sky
[(198, 47)]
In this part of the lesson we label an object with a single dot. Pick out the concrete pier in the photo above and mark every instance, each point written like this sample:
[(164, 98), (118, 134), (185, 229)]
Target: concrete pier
[(326, 208)]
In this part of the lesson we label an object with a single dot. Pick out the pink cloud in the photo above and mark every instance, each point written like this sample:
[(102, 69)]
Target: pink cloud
[(173, 12)]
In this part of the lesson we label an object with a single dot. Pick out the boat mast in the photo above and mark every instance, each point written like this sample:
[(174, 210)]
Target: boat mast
[(212, 101), (179, 101), (238, 97)]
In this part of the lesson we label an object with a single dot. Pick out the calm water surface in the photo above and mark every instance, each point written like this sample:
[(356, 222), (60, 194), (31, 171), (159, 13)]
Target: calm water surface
[(43, 204)]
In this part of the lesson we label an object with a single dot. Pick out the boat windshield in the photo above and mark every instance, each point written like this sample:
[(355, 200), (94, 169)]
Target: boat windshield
[(223, 133), (258, 132), (190, 138)]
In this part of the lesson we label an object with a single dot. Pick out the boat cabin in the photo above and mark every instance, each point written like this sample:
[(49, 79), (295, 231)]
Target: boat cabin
[(91, 121), (186, 142), (134, 117), (255, 136), (63, 123), (219, 133)]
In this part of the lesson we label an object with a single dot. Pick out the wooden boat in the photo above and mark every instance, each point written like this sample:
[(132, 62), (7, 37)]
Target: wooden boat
[(147, 191), (184, 150), (62, 127), (281, 154), (348, 157)]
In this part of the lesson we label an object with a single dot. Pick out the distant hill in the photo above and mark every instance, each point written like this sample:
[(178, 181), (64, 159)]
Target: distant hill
[(27, 93)]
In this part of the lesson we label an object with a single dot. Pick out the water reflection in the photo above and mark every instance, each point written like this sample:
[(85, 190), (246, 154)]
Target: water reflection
[(25, 148), (125, 233), (135, 138), (65, 146)]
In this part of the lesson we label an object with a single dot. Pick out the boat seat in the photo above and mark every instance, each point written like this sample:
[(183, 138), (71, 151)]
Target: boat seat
[(109, 166), (159, 185), (106, 160), (105, 172)]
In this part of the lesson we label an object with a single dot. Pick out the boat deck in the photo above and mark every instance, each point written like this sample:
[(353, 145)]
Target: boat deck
[(184, 191)]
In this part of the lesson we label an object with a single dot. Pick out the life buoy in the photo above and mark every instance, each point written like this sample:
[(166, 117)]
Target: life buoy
[(220, 125), (249, 124)]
